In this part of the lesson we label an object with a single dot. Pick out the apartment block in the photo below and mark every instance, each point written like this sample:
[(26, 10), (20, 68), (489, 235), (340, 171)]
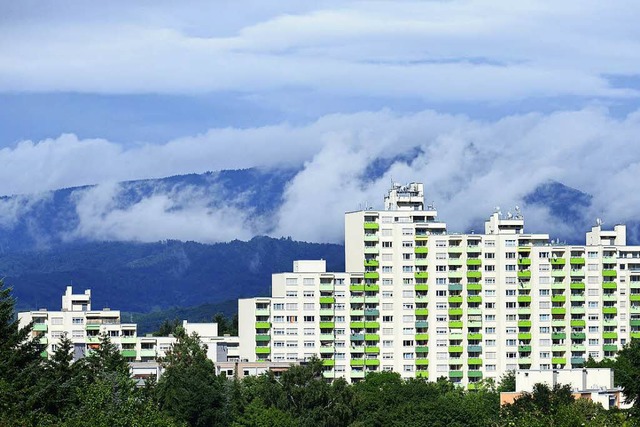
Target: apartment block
[(424, 302)]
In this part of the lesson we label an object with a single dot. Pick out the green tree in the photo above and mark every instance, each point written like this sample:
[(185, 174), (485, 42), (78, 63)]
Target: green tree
[(189, 389), (20, 362), (167, 328), (507, 382), (627, 374)]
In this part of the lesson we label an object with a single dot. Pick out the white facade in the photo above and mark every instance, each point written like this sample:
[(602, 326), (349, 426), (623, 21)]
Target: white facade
[(424, 302)]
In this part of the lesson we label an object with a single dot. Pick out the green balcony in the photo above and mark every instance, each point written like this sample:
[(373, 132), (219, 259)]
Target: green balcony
[(455, 262), (559, 311), (559, 360), (371, 325), (263, 350), (524, 298), (577, 285), (327, 300), (328, 362), (42, 327), (474, 374), (421, 250), (422, 324), (327, 325), (128, 353), (576, 272), (558, 273), (371, 275), (421, 287), (422, 262), (423, 373), (576, 261), (634, 322), (371, 362), (263, 325), (327, 349), (524, 261), (357, 362), (456, 299), (455, 274), (88, 327), (356, 299), (474, 348), (475, 311), (455, 312), (577, 361), (558, 299), (326, 312), (474, 361), (371, 226), (371, 337), (357, 325), (557, 261), (524, 311), (524, 274), (577, 298), (474, 336), (609, 260), (422, 312), (147, 353), (524, 361), (475, 274), (524, 348), (609, 285), (559, 285), (474, 249), (610, 347), (609, 273), (372, 350), (474, 299), (422, 337), (371, 250), (558, 336), (635, 334), (371, 263), (524, 323), (474, 287), (609, 297), (609, 310), (371, 288), (422, 299), (524, 336), (326, 287), (422, 361), (610, 335), (578, 348), (455, 324), (578, 336), (357, 349), (474, 261), (371, 312), (634, 297), (93, 339), (558, 322), (455, 349), (455, 249), (422, 349), (421, 275), (455, 287), (575, 309), (609, 322), (455, 374)]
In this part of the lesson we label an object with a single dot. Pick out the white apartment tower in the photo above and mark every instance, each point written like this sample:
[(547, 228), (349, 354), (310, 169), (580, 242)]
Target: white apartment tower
[(424, 302)]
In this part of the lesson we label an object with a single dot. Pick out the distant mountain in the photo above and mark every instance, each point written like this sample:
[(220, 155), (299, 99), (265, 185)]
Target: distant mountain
[(143, 277)]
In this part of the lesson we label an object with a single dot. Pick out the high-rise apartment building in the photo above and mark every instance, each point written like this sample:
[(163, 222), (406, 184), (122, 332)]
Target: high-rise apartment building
[(424, 302)]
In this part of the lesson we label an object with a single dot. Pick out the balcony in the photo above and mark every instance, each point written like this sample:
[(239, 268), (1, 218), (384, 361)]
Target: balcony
[(456, 299), (609, 310), (326, 287), (422, 337), (455, 349), (147, 353), (262, 312), (327, 325), (474, 374), (327, 300), (455, 249), (577, 285), (576, 261), (422, 361), (128, 353), (356, 374), (525, 274), (559, 360), (578, 336), (524, 348), (371, 226), (524, 336), (421, 275), (327, 349), (474, 249), (422, 262), (524, 261), (558, 310), (372, 362), (371, 250), (577, 361), (455, 374), (610, 335), (524, 323), (474, 274), (474, 262), (576, 272), (474, 287), (372, 337), (422, 349), (609, 285), (422, 324), (371, 263), (42, 327), (557, 261), (474, 299), (456, 262), (558, 273), (558, 299), (421, 250), (263, 350), (609, 273), (455, 274), (474, 336), (455, 324), (372, 350), (373, 275), (474, 361), (422, 312), (474, 348), (524, 298), (263, 325), (610, 347)]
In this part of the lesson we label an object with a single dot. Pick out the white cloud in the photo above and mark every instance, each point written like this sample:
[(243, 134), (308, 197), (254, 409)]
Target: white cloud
[(442, 51)]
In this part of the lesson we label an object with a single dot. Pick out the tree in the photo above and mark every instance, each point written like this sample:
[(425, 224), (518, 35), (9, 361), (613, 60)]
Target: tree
[(627, 374), (20, 361), (507, 382), (167, 328), (189, 389)]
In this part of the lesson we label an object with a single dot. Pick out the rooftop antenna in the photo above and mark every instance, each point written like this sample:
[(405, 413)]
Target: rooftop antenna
[(599, 222)]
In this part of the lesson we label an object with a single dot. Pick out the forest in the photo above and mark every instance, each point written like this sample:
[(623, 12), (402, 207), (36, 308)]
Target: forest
[(98, 391)]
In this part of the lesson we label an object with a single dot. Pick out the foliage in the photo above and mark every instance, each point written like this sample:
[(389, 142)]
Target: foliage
[(507, 382), (627, 373)]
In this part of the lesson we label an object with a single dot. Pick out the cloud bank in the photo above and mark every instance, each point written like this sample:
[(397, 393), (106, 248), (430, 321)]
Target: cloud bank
[(468, 167)]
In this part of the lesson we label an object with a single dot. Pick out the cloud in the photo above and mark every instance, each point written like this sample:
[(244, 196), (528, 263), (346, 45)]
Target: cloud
[(439, 51)]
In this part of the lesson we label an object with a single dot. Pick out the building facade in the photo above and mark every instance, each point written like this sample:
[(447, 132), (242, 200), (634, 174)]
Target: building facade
[(424, 302)]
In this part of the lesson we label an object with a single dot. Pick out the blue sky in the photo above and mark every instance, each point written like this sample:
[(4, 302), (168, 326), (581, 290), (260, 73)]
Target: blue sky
[(489, 91)]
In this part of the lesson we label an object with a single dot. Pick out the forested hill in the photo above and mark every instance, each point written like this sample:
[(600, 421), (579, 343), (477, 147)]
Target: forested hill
[(142, 277)]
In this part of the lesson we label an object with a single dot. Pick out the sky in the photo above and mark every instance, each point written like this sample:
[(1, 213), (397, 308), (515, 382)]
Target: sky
[(493, 97)]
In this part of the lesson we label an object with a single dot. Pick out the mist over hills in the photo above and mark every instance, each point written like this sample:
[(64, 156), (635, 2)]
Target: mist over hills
[(119, 239)]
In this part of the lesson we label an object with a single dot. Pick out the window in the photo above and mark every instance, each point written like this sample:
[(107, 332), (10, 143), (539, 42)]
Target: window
[(593, 304), (509, 243), (510, 317), (544, 255), (544, 267), (56, 320), (490, 292), (441, 293), (491, 343), (309, 318), (407, 244), (387, 294), (387, 306), (407, 257), (309, 306), (544, 292), (407, 268), (544, 330), (292, 319), (441, 243), (291, 281), (489, 255), (593, 341), (387, 343), (510, 255), (545, 342), (544, 317), (544, 304), (387, 282), (387, 331), (407, 306), (441, 268), (510, 292), (291, 306), (489, 243), (386, 257), (545, 355), (441, 255), (441, 281), (490, 317), (490, 305), (292, 294), (387, 244), (78, 321), (489, 268), (511, 330), (490, 330), (308, 281), (407, 232), (386, 232), (308, 294), (594, 329), (387, 318), (510, 304), (387, 269), (280, 331)]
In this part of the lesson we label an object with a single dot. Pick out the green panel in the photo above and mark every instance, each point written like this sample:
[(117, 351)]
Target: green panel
[(372, 350), (422, 374), (634, 322), (421, 287), (610, 335), (578, 336), (421, 250), (357, 362), (456, 299), (609, 285), (609, 273), (42, 327), (635, 334), (422, 349), (356, 325), (455, 374), (147, 353), (474, 299), (474, 361), (422, 275), (455, 324), (577, 361), (524, 261), (371, 312), (474, 261), (128, 353), (474, 336), (327, 325), (371, 325), (422, 362), (89, 327), (524, 336), (357, 337), (558, 261), (474, 374), (263, 350), (455, 312), (44, 354), (455, 287), (524, 348), (526, 274), (371, 337), (578, 285), (576, 261), (372, 362), (328, 362), (524, 323), (422, 324), (474, 348), (455, 349), (558, 310), (371, 275), (371, 226), (474, 249), (356, 288), (559, 360), (634, 297), (474, 287), (558, 336), (422, 312), (610, 347), (474, 274), (524, 298), (422, 337), (558, 298), (371, 263), (263, 337), (609, 310), (327, 300), (263, 325)]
